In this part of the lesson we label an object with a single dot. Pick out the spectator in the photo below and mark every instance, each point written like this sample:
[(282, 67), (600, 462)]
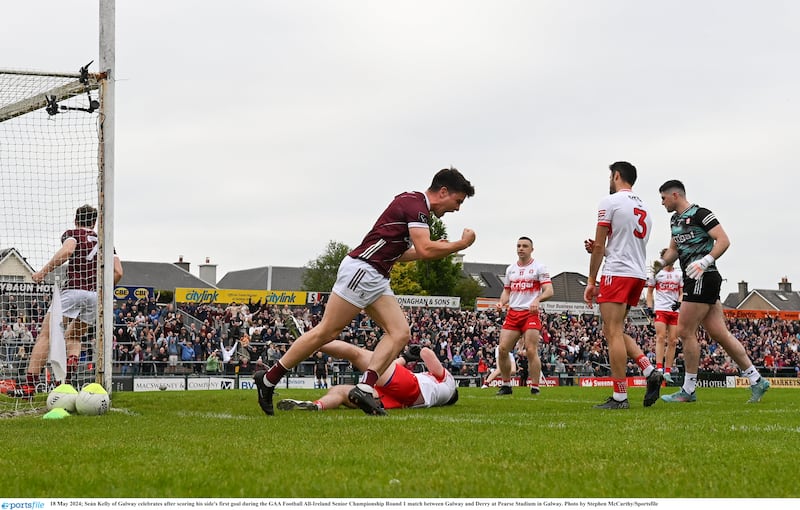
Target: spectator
[(187, 352), (213, 364)]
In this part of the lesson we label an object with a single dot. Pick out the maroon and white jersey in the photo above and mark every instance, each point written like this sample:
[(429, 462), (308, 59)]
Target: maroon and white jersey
[(82, 266), (389, 237), (525, 283), (666, 286)]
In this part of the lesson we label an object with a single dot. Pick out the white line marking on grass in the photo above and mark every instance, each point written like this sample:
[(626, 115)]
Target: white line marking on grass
[(764, 428), (478, 419), (123, 410), (221, 416)]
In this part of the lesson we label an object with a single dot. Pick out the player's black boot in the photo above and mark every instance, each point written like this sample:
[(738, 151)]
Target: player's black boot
[(264, 393)]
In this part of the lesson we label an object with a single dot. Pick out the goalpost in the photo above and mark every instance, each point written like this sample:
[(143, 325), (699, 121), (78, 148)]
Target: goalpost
[(56, 154)]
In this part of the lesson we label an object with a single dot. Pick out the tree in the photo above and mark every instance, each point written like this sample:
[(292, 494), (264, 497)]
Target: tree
[(468, 290), (438, 277), (404, 279), (320, 274)]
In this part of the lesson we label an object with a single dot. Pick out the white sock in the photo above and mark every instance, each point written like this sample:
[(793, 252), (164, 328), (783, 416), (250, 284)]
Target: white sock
[(752, 374), (266, 381), (649, 370), (366, 387), (690, 383)]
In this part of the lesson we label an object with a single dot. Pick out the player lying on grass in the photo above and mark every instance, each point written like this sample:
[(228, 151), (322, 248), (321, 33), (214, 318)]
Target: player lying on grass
[(397, 387)]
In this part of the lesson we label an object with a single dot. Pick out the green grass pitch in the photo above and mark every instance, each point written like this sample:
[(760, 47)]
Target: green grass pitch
[(218, 444)]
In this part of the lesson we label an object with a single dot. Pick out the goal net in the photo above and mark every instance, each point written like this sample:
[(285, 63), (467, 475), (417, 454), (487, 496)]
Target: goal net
[(49, 169)]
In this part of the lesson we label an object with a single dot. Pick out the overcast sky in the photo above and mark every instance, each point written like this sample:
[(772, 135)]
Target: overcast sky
[(253, 132)]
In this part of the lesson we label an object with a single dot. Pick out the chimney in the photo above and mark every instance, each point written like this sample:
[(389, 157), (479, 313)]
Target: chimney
[(785, 285), (208, 272), (181, 264), (742, 291)]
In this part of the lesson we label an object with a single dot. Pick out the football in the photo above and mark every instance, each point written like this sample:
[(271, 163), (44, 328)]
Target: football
[(92, 400), (64, 397)]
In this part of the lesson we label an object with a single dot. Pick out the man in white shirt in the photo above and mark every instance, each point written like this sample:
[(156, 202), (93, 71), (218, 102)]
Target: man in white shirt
[(621, 235)]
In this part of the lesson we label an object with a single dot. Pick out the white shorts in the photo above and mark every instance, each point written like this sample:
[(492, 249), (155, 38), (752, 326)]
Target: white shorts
[(359, 283), (436, 393), (80, 304), (510, 357)]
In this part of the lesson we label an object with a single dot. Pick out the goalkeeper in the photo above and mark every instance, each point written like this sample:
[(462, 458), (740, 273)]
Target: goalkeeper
[(698, 240)]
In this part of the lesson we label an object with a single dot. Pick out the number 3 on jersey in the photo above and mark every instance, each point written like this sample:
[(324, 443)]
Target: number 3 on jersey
[(642, 215)]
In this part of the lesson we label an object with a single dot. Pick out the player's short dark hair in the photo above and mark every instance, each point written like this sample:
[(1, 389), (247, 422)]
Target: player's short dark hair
[(626, 171), (526, 238), (453, 180), (672, 184), (86, 216)]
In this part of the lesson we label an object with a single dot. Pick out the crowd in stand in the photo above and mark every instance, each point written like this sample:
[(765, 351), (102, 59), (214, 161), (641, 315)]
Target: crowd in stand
[(151, 339), (210, 338)]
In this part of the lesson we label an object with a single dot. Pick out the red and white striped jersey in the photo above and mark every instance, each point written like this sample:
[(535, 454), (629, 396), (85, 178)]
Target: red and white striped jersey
[(666, 288), (525, 283)]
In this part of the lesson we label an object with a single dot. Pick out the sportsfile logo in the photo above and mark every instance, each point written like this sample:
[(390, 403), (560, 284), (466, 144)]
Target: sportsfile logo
[(28, 505)]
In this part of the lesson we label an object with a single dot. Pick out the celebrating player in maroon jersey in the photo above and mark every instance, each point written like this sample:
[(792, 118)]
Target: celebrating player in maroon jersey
[(78, 295), (401, 233)]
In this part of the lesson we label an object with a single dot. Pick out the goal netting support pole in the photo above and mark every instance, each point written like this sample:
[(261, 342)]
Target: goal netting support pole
[(106, 184)]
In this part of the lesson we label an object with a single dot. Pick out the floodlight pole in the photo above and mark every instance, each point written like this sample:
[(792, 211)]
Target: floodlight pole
[(105, 329)]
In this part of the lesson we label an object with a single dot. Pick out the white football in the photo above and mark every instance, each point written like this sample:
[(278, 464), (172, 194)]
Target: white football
[(92, 400), (63, 396)]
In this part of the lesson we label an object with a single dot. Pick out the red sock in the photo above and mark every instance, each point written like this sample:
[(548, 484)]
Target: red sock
[(643, 362), (72, 368), (660, 366), (620, 385)]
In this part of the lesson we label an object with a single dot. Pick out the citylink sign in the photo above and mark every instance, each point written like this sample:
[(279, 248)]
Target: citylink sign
[(226, 296)]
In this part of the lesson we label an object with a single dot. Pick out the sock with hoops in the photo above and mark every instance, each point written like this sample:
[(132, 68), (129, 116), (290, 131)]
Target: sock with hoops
[(644, 365), (620, 389)]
